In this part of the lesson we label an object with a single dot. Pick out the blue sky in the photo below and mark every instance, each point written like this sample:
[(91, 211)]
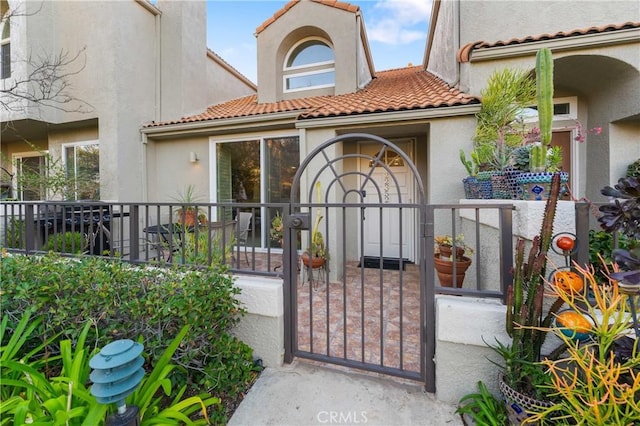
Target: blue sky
[(397, 30)]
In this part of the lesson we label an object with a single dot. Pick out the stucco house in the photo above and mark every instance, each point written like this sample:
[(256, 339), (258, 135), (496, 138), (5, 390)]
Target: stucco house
[(120, 65), (317, 80)]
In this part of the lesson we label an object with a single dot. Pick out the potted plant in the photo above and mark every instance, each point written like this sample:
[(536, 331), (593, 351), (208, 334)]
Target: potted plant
[(498, 131), (450, 257), (316, 254), (544, 161), (277, 228), (188, 214), (597, 379)]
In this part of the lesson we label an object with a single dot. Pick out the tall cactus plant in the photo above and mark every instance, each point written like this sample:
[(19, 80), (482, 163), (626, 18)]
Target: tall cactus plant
[(525, 321), (544, 96)]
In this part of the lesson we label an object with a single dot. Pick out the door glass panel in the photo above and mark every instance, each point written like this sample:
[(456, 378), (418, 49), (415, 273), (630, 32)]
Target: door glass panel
[(31, 177), (83, 171), (283, 158), (238, 165)]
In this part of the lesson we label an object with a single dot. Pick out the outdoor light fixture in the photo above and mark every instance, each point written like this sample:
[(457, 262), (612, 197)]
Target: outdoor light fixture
[(193, 157), (117, 371)]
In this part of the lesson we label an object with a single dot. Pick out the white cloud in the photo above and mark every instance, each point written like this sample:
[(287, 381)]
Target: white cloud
[(398, 21)]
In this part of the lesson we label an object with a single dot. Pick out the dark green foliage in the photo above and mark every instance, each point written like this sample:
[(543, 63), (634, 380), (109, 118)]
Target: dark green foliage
[(483, 408), (601, 244), (15, 234), (146, 304), (31, 391), (65, 242), (634, 169)]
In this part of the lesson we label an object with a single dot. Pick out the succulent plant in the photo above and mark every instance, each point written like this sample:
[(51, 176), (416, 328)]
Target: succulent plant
[(525, 322), (623, 215), (634, 169), (520, 157)]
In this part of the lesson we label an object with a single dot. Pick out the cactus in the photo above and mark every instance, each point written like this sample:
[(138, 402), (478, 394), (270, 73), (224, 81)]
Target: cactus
[(544, 95), (524, 318), (538, 158), (470, 165)]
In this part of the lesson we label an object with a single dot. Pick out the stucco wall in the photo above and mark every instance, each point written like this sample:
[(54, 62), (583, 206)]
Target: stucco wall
[(442, 60), (262, 327), (445, 171), (169, 169), (304, 19), (517, 18)]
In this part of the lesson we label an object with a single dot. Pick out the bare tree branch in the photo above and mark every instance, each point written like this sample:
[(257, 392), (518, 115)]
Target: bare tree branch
[(48, 77)]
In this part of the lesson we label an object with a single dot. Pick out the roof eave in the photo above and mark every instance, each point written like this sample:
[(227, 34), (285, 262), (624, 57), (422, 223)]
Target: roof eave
[(390, 116), (631, 35), (220, 124)]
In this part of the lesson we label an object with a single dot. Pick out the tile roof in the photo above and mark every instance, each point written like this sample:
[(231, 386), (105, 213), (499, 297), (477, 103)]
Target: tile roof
[(464, 53), (337, 4), (401, 89)]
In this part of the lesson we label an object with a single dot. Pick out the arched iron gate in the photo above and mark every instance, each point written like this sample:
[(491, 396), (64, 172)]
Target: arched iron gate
[(371, 312)]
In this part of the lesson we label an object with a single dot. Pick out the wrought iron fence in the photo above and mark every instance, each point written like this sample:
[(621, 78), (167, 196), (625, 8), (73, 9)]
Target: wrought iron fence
[(239, 236)]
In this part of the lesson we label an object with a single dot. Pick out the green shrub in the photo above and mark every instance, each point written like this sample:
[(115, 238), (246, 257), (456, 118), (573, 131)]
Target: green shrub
[(15, 234), (31, 394), (601, 244), (139, 303), (66, 242)]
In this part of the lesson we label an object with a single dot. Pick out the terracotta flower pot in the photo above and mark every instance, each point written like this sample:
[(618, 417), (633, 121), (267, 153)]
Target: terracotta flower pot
[(444, 268), (446, 252), (316, 262)]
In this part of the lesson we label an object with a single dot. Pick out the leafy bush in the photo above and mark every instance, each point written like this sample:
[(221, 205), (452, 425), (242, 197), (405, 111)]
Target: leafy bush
[(601, 243), (29, 395), (483, 408), (138, 303), (66, 242)]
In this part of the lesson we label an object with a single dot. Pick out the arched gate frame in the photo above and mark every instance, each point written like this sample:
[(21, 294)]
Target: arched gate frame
[(371, 318)]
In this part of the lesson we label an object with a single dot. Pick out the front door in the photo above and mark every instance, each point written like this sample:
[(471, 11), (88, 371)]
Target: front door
[(381, 226)]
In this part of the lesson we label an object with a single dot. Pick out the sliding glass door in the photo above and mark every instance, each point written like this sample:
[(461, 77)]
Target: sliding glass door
[(256, 171)]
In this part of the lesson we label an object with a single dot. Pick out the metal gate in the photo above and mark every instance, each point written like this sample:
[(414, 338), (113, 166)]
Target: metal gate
[(368, 306)]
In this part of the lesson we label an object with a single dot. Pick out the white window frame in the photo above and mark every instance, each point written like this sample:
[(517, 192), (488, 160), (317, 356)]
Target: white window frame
[(5, 23), (315, 68), (18, 194), (64, 158)]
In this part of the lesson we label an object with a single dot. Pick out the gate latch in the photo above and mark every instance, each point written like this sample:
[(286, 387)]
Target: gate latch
[(298, 220)]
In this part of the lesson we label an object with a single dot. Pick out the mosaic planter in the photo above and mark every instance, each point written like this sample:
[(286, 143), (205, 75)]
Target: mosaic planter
[(536, 186), (520, 406), (472, 188), (486, 189), (500, 187)]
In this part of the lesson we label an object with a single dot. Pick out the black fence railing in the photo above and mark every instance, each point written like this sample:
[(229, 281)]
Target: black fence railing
[(239, 235), (236, 235)]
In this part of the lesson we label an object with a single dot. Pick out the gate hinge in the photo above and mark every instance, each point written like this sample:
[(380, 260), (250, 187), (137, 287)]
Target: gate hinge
[(298, 221)]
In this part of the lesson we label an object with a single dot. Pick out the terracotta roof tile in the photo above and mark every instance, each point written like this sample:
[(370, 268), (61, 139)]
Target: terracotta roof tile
[(401, 89), (332, 3), (464, 53)]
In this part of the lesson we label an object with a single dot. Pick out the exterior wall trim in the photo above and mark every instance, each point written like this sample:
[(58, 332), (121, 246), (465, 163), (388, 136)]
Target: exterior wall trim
[(180, 129), (631, 35)]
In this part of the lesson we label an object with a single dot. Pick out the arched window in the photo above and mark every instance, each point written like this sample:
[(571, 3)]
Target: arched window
[(310, 64), (5, 41)]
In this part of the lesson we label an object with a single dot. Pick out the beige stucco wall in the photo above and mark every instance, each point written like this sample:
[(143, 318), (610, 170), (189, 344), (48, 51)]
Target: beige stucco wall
[(445, 171), (121, 80), (517, 19), (169, 169), (309, 19), (445, 43)]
